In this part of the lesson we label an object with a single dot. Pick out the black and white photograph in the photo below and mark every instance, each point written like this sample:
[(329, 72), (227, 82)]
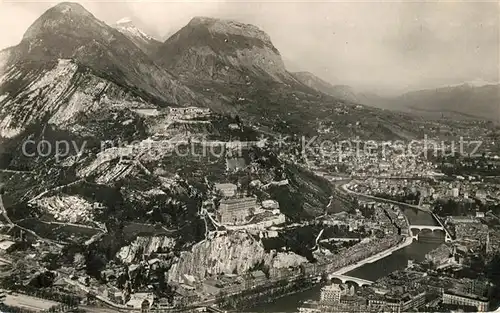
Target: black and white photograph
[(175, 156)]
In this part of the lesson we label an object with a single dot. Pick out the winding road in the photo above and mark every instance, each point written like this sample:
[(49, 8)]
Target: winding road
[(3, 211)]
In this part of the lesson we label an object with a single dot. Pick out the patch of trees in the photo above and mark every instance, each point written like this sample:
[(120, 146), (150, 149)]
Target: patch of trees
[(451, 207)]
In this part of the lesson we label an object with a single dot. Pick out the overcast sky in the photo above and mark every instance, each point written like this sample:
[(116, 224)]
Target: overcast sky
[(380, 45)]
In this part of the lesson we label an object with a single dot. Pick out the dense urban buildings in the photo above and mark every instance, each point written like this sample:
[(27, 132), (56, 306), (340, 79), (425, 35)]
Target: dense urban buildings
[(459, 298)]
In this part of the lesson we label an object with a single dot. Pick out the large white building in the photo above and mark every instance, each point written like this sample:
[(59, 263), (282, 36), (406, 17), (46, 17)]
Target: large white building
[(228, 190), (331, 294), (460, 298), (236, 210)]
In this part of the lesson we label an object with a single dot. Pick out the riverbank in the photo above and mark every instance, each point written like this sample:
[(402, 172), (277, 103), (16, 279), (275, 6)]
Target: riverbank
[(398, 260), (370, 268), (406, 242), (348, 191), (267, 294), (264, 296)]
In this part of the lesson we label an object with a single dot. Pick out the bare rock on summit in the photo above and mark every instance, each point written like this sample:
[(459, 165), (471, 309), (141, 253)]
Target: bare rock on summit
[(4, 58), (146, 43), (58, 92), (68, 63), (69, 31), (222, 50)]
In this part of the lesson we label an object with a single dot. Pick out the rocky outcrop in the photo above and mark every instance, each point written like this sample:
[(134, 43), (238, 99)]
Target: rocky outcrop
[(66, 61), (145, 245), (4, 58), (65, 208), (59, 91), (287, 259), (236, 252), (222, 50)]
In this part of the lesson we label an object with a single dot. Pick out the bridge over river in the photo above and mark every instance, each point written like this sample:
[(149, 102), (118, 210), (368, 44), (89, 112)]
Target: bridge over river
[(377, 266), (345, 279), (429, 221), (419, 218)]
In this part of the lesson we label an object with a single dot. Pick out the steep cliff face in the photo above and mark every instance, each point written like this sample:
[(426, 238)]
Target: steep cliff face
[(66, 60), (287, 259), (144, 246), (4, 58), (222, 50), (232, 253), (55, 92)]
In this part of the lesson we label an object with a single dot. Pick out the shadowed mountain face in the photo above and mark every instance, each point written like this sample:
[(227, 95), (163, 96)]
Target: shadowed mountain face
[(340, 91), (238, 68), (146, 43), (464, 101), (220, 50), (69, 63), (73, 78), (68, 31)]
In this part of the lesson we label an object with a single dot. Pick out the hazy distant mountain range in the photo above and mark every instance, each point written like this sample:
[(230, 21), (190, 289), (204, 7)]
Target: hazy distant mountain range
[(341, 91), (463, 101), (468, 100)]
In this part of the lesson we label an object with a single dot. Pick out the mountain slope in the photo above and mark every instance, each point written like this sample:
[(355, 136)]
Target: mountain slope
[(68, 31), (340, 91), (466, 101), (146, 43), (59, 93), (222, 50), (238, 68), (69, 63), (4, 59)]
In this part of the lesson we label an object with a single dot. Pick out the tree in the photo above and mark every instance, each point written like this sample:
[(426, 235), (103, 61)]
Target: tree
[(79, 260), (19, 268)]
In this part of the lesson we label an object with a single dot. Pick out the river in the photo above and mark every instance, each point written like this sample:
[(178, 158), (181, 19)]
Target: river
[(396, 261), (418, 217)]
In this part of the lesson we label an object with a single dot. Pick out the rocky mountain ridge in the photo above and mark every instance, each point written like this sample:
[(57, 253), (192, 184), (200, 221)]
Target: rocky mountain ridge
[(146, 43), (56, 93), (231, 67), (68, 31), (466, 101), (222, 50), (340, 91)]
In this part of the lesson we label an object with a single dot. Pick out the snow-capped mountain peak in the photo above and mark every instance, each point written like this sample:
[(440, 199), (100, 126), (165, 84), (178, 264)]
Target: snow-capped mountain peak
[(125, 20), (146, 43), (127, 27)]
